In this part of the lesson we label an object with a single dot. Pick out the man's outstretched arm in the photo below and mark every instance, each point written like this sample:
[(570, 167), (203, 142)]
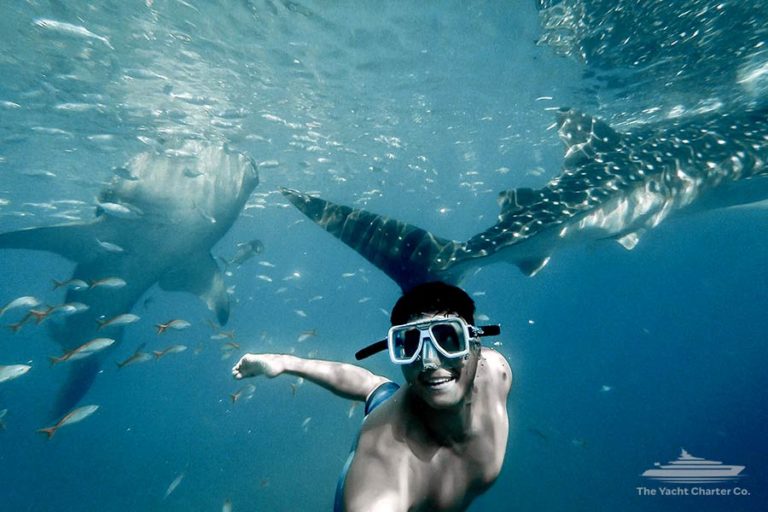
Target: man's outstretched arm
[(342, 379)]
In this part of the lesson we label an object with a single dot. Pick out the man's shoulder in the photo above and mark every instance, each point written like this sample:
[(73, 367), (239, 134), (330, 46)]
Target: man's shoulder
[(498, 368)]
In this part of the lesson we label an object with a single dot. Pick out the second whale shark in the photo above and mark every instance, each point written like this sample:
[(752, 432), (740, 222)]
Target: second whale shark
[(613, 185), (156, 223)]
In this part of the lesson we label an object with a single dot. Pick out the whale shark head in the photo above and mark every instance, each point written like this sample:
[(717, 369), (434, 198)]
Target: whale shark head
[(190, 186), (156, 223)]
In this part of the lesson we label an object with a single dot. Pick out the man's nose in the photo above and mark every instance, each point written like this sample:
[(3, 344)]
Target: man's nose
[(429, 356)]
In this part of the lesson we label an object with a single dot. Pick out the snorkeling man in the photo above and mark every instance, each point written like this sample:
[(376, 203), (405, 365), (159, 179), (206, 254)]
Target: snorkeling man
[(439, 441)]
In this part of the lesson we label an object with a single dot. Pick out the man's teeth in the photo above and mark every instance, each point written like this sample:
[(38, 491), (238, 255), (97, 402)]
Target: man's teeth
[(437, 382)]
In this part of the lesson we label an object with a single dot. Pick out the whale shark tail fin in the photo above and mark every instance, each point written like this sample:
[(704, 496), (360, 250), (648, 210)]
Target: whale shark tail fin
[(407, 254), (76, 242)]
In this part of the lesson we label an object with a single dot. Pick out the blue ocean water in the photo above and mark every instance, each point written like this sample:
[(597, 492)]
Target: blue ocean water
[(423, 112)]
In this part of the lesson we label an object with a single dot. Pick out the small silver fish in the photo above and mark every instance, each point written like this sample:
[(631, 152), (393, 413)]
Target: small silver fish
[(108, 282), (173, 349), (246, 251), (13, 371), (291, 277), (75, 284), (174, 485), (296, 385), (300, 312), (306, 335), (110, 247), (124, 173), (176, 325), (268, 164), (2, 418), (118, 321), (40, 314), (20, 302), (86, 349), (18, 325), (70, 30), (71, 417), (227, 507), (70, 308), (246, 392), (136, 358), (120, 211)]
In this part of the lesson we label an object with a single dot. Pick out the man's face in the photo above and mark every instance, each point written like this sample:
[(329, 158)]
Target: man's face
[(441, 382)]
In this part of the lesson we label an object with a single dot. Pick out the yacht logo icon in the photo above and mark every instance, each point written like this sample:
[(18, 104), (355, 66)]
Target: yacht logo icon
[(687, 469)]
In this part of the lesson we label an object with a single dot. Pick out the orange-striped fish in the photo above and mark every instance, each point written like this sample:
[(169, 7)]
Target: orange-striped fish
[(108, 282), (86, 349), (118, 321), (75, 284), (13, 371), (26, 301), (71, 417), (246, 392), (135, 358), (41, 314), (176, 325), (18, 325), (173, 349)]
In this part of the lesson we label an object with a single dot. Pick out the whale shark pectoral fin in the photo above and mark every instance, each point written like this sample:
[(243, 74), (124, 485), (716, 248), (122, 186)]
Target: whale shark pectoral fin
[(76, 242), (407, 254), (201, 276), (584, 136), (530, 267), (629, 241), (79, 380)]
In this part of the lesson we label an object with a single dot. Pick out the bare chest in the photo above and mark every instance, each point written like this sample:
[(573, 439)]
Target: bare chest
[(453, 477), (437, 478)]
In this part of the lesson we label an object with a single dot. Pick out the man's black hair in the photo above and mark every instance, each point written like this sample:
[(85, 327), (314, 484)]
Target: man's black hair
[(435, 296)]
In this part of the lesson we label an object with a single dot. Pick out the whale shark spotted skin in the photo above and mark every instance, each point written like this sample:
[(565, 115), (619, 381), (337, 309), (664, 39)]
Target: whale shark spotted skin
[(177, 217), (614, 185)]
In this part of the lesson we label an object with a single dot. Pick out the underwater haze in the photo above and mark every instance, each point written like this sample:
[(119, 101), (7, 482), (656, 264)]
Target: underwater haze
[(160, 132)]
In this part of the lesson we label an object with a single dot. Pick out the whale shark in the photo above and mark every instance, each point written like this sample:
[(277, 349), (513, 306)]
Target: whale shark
[(156, 222), (613, 185)]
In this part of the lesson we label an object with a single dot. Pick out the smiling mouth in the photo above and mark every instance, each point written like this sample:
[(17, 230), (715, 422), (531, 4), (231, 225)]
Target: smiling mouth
[(434, 382)]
